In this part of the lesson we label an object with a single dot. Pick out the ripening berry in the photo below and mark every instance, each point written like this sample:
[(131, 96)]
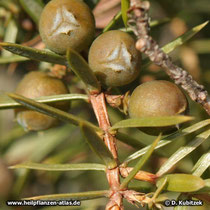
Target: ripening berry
[(66, 24), (114, 58), (157, 98), (34, 85)]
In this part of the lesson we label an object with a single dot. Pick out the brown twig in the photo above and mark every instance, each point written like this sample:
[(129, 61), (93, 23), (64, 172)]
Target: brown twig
[(113, 175), (114, 100), (141, 175), (139, 23)]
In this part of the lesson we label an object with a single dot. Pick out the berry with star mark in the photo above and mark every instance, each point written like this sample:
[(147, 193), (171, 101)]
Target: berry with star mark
[(114, 58), (66, 24)]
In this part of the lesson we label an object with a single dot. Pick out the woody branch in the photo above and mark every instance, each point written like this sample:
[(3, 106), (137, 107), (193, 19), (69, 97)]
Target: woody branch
[(113, 175), (139, 23)]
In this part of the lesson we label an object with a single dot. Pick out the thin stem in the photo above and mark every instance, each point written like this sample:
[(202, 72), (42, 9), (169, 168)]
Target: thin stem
[(141, 175), (7, 103), (140, 163), (51, 111), (99, 107), (113, 175), (81, 195)]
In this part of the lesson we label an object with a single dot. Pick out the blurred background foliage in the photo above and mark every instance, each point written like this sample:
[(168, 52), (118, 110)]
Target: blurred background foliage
[(65, 144)]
